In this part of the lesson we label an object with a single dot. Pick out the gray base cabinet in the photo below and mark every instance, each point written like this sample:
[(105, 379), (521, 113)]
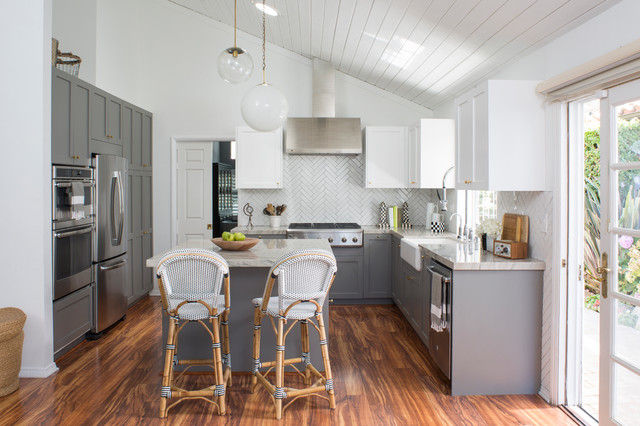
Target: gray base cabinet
[(396, 271), (71, 319), (349, 281), (140, 239), (496, 332), (377, 265), (412, 296)]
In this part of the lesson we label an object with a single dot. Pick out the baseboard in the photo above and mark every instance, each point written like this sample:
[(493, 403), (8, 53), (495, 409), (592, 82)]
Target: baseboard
[(544, 393), (154, 292), (38, 372)]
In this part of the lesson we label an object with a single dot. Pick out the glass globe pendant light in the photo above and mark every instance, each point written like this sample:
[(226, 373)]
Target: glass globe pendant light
[(235, 64), (264, 107)]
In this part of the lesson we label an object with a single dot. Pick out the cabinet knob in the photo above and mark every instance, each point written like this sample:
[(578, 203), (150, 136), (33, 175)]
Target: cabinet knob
[(467, 181), (209, 226), (413, 182)]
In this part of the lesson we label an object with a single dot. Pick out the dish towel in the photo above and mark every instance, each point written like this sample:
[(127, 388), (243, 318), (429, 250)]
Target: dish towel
[(77, 200), (438, 302)]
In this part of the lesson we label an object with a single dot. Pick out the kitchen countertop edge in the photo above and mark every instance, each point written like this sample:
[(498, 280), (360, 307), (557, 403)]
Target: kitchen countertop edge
[(483, 261)]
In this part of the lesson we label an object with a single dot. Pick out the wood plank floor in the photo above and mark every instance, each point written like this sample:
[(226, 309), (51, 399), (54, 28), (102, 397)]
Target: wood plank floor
[(383, 376)]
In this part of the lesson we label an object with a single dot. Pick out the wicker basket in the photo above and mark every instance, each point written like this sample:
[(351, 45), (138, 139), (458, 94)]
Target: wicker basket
[(11, 337), (68, 62)]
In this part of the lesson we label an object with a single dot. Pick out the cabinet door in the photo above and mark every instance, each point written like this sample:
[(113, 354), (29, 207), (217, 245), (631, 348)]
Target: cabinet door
[(147, 129), (147, 252), (414, 157), (136, 258), (386, 157), (136, 204), (114, 126), (349, 278), (128, 290), (99, 111), (472, 145), (258, 158), (425, 300), (146, 202), (71, 318), (377, 265), (127, 132), (80, 97), (61, 141), (396, 271), (413, 305)]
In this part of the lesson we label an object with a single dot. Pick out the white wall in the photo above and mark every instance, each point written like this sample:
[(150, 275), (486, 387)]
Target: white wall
[(25, 170), (74, 25), (175, 77)]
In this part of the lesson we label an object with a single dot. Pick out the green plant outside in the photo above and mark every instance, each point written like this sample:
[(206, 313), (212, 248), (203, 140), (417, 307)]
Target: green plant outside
[(629, 215)]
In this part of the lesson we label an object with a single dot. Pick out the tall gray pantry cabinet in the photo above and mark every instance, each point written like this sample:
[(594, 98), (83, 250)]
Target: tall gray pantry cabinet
[(87, 120)]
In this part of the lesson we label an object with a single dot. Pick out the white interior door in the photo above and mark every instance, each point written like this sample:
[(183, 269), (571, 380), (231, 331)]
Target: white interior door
[(620, 239), (194, 186)]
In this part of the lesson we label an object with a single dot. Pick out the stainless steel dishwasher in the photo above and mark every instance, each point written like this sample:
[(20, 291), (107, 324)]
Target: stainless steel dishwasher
[(440, 336)]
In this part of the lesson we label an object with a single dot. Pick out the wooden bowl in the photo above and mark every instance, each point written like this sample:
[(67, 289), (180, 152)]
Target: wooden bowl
[(235, 245)]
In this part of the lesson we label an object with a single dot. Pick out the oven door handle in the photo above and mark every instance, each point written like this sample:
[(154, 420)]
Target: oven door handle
[(68, 184), (116, 266), (72, 233)]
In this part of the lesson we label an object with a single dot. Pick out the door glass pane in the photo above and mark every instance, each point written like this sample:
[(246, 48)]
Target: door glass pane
[(627, 332), (628, 198), (628, 132), (626, 395), (629, 266)]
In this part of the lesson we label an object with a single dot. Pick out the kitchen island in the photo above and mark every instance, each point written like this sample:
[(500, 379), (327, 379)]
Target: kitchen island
[(248, 274)]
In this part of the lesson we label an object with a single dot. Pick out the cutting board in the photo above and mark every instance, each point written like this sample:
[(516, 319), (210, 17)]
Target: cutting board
[(515, 227)]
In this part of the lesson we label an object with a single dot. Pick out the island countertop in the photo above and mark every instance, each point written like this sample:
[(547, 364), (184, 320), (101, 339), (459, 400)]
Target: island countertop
[(263, 254)]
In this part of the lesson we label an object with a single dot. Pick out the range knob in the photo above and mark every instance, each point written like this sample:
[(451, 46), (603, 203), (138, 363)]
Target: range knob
[(354, 239), (330, 239), (344, 239)]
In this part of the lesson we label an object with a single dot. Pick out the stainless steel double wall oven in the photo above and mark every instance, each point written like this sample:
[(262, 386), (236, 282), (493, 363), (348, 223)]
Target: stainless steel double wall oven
[(73, 192)]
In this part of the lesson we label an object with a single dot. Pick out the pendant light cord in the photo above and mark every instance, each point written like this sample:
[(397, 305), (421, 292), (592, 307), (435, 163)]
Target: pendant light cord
[(235, 14), (264, 42)]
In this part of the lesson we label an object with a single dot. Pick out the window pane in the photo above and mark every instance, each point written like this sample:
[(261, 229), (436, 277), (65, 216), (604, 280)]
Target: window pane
[(627, 333), (628, 199), (628, 132), (628, 279), (626, 409)]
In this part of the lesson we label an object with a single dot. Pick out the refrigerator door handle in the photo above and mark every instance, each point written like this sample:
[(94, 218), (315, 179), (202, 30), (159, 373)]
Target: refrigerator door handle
[(114, 238), (121, 199), (111, 267)]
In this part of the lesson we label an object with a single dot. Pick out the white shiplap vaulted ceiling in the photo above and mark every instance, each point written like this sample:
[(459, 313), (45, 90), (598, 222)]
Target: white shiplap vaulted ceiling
[(426, 51)]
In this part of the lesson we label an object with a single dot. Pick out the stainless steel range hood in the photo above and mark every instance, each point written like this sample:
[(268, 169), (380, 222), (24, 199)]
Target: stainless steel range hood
[(323, 134)]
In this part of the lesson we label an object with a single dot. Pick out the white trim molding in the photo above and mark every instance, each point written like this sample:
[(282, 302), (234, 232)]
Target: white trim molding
[(38, 372)]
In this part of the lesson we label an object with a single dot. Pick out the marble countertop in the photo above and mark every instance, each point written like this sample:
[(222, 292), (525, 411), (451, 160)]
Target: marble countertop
[(463, 257), (263, 254)]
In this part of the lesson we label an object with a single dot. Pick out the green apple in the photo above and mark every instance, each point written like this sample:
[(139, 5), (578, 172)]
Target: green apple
[(230, 237), (225, 236), (239, 236)]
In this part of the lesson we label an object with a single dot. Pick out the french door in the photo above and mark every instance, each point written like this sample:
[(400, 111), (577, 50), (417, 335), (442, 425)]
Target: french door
[(619, 272)]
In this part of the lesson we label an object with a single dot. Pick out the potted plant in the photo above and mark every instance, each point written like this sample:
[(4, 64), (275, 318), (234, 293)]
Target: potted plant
[(489, 230)]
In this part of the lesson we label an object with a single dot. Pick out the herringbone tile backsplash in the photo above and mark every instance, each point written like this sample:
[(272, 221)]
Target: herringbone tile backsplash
[(331, 189)]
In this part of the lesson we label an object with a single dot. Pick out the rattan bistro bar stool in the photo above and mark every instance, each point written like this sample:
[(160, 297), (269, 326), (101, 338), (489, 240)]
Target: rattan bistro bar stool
[(304, 278), (190, 282)]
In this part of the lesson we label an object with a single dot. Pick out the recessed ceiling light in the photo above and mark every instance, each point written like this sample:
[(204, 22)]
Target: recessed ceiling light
[(269, 10)]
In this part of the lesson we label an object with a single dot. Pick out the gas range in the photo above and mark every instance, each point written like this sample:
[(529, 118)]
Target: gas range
[(338, 234)]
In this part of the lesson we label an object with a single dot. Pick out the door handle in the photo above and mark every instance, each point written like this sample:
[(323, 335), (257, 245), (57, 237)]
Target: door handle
[(114, 234), (121, 196), (72, 233), (209, 226), (604, 271), (116, 266)]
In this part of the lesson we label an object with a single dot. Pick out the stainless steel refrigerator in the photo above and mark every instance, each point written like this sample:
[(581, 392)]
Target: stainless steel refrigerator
[(110, 253)]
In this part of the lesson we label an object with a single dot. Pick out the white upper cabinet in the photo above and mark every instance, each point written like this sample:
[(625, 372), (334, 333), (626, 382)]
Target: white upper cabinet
[(500, 137), (431, 152), (386, 154), (258, 158)]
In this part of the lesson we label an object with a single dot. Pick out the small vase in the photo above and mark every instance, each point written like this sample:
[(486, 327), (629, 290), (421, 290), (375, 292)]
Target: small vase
[(275, 221), (484, 241)]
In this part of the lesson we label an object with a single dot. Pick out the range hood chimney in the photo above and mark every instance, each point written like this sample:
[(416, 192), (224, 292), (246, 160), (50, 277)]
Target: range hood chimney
[(323, 134)]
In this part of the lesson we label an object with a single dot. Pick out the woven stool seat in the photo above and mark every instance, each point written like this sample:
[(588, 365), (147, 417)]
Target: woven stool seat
[(12, 321), (303, 310), (304, 278), (191, 282), (194, 311)]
